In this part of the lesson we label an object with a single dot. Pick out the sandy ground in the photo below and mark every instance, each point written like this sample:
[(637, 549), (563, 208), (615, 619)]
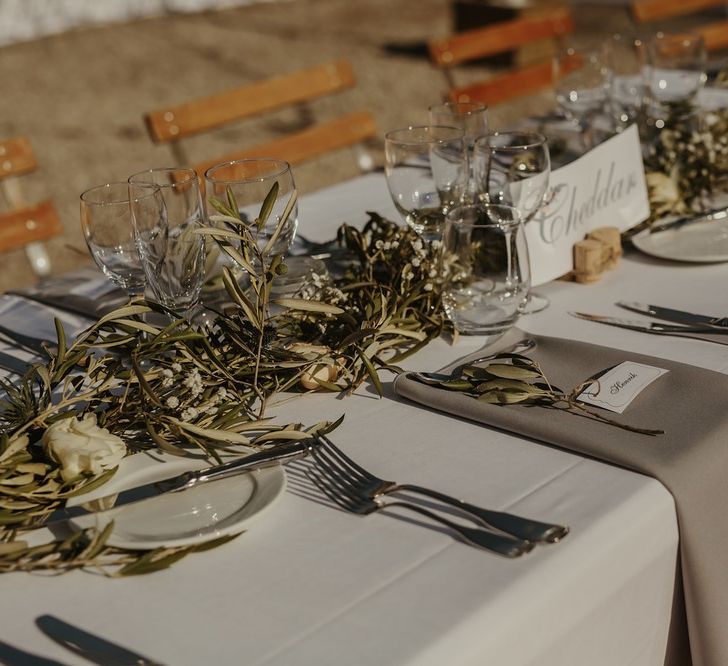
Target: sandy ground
[(81, 96)]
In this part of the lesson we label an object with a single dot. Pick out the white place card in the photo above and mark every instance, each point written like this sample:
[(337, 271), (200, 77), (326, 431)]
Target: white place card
[(617, 388), (604, 187)]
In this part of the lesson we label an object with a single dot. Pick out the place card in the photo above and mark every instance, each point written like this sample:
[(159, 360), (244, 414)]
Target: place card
[(618, 387), (603, 188)]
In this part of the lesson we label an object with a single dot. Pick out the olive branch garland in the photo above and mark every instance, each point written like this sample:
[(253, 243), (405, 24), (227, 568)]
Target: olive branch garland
[(522, 381)]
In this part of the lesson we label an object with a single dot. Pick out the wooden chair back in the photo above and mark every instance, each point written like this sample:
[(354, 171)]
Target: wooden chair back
[(500, 38), (171, 124), (22, 225), (654, 10), (715, 33)]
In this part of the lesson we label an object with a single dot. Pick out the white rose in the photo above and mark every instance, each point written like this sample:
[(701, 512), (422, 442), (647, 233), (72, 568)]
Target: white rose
[(82, 446)]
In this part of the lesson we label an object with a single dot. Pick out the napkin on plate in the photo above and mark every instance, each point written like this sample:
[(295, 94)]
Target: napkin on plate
[(691, 458)]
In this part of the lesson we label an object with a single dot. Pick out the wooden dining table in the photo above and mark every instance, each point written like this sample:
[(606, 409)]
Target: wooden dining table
[(308, 583)]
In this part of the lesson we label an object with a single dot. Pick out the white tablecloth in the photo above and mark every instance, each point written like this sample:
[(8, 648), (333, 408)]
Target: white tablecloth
[(310, 584)]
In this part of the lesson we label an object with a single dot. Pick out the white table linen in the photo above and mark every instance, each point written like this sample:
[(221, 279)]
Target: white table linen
[(310, 584)]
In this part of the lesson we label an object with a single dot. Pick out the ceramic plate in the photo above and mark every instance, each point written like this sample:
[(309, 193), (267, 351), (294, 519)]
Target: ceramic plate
[(696, 242), (212, 510)]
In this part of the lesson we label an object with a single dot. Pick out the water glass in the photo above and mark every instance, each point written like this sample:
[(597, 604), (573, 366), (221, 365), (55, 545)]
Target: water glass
[(472, 118), (581, 83), (172, 252), (427, 175), (249, 182), (485, 262), (676, 69), (109, 233)]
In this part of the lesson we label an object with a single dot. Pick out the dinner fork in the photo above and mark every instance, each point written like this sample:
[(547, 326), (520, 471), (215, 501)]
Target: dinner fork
[(337, 487), (373, 487)]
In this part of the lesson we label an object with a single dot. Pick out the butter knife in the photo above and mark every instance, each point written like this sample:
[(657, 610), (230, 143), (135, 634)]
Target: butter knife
[(89, 646), (679, 316), (187, 480), (659, 329)]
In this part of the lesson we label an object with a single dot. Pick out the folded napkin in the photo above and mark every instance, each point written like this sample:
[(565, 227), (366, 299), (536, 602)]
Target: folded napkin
[(691, 458), (86, 292)]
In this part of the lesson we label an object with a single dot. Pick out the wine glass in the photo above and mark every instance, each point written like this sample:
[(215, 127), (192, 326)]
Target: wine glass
[(172, 252), (109, 234), (472, 118), (513, 168), (581, 83), (626, 59), (427, 175), (249, 182), (675, 72)]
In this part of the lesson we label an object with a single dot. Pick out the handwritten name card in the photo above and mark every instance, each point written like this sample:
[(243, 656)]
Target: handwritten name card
[(604, 187)]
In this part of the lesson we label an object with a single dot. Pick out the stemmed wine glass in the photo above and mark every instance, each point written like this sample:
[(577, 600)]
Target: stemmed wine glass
[(472, 118), (675, 73), (249, 182), (581, 83), (427, 175), (109, 233), (626, 58), (172, 252), (513, 168)]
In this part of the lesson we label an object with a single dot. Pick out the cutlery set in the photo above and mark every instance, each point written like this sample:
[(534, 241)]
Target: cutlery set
[(685, 324)]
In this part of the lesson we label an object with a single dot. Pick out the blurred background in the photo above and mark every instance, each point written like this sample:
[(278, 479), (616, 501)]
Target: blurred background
[(78, 77)]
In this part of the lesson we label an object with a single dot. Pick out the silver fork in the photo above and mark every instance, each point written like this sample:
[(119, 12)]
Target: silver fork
[(339, 488), (373, 487)]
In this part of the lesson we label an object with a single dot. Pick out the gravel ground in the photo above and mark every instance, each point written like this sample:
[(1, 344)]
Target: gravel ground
[(81, 96)]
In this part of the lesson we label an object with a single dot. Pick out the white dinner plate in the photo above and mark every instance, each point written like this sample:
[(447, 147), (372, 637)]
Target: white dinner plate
[(695, 242), (209, 511)]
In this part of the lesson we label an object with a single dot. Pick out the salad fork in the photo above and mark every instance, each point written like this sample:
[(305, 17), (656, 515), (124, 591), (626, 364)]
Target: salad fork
[(339, 488), (373, 487)]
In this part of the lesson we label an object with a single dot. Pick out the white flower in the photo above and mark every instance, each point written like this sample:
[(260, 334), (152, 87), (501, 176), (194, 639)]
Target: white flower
[(379, 244), (428, 286), (173, 401), (82, 446), (176, 367), (416, 262), (189, 414)]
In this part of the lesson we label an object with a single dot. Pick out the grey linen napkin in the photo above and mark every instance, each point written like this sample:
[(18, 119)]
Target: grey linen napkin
[(691, 457), (68, 292)]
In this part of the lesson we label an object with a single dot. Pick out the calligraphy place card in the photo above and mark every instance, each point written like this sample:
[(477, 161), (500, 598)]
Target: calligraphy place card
[(604, 187), (617, 388)]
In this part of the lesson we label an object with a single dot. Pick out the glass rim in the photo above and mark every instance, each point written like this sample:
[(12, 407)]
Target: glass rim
[(189, 176), (683, 35), (87, 195), (389, 137), (282, 167), (534, 139), (475, 106)]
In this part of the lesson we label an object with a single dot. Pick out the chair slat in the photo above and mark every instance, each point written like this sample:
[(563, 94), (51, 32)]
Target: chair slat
[(506, 86), (16, 157), (500, 37), (28, 225), (175, 122), (715, 35), (653, 10), (311, 142)]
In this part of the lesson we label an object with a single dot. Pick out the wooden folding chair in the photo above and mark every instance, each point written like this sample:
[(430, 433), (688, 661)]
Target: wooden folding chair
[(22, 225), (715, 33), (500, 38), (172, 124)]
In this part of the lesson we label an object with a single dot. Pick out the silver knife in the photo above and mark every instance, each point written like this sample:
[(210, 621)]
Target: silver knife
[(89, 646), (187, 480), (649, 327), (679, 316)]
